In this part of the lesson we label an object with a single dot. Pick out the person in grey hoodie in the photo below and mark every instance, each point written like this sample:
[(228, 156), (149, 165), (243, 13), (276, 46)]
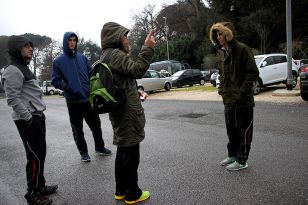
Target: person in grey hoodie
[(127, 121), (25, 97)]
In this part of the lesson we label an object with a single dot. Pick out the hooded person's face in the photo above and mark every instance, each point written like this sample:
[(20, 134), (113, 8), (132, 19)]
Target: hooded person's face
[(72, 41), (125, 44), (221, 39), (27, 52)]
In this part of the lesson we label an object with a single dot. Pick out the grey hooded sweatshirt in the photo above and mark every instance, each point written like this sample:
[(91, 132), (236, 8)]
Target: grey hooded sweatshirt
[(21, 87)]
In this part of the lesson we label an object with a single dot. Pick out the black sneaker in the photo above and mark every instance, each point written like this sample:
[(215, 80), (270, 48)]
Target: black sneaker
[(46, 190), (85, 157), (36, 199), (103, 151)]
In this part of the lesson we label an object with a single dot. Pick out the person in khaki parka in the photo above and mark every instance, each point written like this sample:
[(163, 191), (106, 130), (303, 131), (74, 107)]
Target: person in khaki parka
[(128, 121), (238, 73)]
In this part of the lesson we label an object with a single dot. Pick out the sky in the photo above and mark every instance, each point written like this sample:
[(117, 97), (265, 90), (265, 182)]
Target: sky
[(54, 17)]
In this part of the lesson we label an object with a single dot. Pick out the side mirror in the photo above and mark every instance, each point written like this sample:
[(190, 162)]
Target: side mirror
[(264, 63)]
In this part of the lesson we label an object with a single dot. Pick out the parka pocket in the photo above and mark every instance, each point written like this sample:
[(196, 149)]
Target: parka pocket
[(138, 118)]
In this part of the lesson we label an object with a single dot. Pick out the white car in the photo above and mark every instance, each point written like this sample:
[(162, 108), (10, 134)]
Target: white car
[(48, 88), (215, 79), (152, 80), (273, 69)]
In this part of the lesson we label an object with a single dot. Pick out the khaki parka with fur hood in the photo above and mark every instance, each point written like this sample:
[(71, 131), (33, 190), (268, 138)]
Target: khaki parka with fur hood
[(238, 68), (128, 121)]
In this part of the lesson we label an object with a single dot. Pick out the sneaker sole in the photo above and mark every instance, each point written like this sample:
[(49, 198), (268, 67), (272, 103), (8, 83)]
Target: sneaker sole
[(225, 164), (238, 169), (122, 197), (86, 160), (138, 200), (102, 154)]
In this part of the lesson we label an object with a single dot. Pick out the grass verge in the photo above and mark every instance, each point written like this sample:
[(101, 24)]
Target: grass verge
[(196, 88)]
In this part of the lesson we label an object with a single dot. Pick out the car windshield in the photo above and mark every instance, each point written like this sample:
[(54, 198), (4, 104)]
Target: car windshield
[(177, 74), (258, 60)]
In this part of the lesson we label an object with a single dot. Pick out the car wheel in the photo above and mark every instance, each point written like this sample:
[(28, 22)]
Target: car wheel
[(202, 82), (256, 87), (213, 83), (304, 96), (51, 92), (294, 82), (167, 86), (179, 84)]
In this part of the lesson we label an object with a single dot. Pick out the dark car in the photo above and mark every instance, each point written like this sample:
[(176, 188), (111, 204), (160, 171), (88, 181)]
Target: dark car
[(303, 77), (187, 77)]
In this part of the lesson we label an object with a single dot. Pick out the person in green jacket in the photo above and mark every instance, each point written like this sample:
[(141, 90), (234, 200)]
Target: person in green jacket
[(128, 121), (237, 74)]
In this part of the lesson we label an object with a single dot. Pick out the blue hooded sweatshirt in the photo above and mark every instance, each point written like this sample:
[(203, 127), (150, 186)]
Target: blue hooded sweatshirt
[(71, 73)]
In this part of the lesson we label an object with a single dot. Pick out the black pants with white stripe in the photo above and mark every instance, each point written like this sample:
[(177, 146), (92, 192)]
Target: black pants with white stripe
[(239, 124), (34, 140)]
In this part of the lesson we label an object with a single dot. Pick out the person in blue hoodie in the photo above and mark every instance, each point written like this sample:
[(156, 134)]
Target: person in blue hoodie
[(71, 73)]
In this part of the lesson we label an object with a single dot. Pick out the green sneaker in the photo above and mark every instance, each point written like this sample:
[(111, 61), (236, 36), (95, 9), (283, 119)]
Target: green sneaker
[(120, 197), (235, 166), (145, 195), (227, 161)]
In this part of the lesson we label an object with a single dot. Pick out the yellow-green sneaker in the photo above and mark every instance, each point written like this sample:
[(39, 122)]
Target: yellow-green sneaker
[(120, 197), (145, 195)]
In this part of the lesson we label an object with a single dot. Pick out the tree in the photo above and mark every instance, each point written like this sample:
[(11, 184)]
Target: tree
[(40, 43), (143, 23), (3, 54), (49, 54), (263, 32), (91, 50)]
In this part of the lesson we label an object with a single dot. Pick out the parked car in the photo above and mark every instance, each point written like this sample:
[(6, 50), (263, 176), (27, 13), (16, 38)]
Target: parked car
[(300, 62), (48, 88), (215, 79), (187, 77), (152, 80), (171, 66), (164, 73), (303, 78), (208, 73), (273, 69)]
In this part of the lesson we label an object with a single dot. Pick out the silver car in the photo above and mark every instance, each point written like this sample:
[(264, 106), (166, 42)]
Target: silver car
[(152, 80)]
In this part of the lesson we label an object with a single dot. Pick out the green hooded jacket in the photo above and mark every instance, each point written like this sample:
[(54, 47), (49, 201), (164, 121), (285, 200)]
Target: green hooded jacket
[(129, 120), (238, 68)]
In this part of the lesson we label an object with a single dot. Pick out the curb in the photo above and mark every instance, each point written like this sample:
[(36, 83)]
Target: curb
[(286, 93)]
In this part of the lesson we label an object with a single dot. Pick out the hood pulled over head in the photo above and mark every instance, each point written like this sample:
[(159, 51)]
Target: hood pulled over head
[(111, 35), (66, 36), (226, 28), (15, 44)]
